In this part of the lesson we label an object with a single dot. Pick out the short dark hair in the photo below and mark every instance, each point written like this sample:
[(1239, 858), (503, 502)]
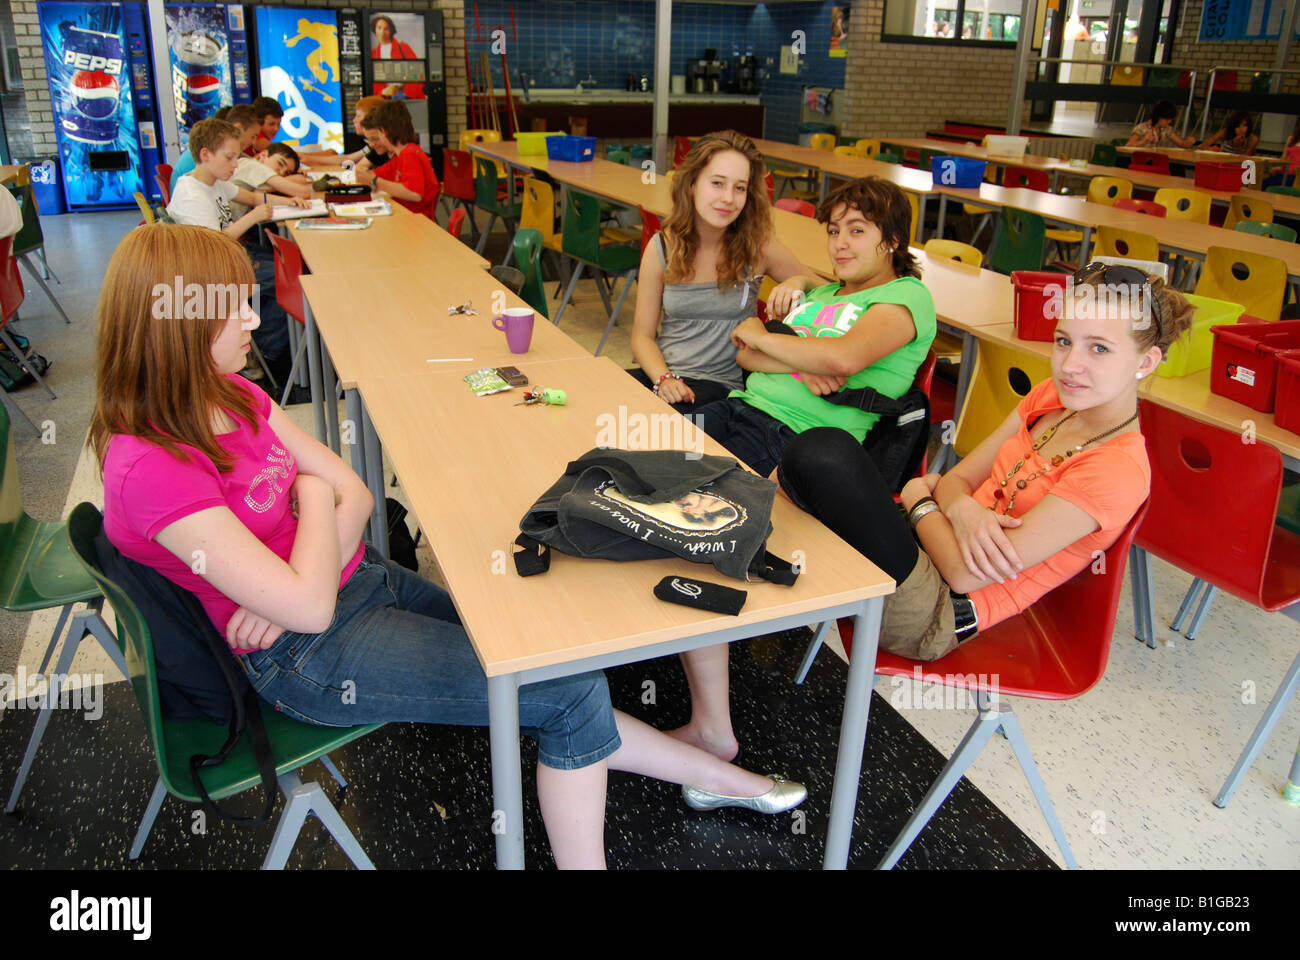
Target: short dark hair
[(284, 150), (267, 107), (243, 116), (1235, 119), (210, 134), (1164, 110), (393, 118), (885, 205), (221, 113), (392, 27)]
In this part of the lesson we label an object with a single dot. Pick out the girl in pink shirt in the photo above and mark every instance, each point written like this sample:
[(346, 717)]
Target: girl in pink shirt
[(207, 481)]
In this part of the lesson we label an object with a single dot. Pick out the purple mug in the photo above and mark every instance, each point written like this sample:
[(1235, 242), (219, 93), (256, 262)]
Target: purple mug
[(517, 324)]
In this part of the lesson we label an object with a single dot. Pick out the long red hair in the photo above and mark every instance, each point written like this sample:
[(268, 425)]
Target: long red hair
[(155, 375)]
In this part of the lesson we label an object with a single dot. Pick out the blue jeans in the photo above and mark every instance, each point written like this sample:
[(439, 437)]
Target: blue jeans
[(396, 651), (755, 437)]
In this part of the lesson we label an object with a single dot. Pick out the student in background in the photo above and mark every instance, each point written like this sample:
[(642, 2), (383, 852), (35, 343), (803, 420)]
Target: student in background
[(1236, 135), (269, 113), (408, 175), (272, 171), (700, 275), (1159, 130), (365, 158), (1281, 172), (244, 117)]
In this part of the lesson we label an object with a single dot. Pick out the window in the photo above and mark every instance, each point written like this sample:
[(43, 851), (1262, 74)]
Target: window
[(936, 21)]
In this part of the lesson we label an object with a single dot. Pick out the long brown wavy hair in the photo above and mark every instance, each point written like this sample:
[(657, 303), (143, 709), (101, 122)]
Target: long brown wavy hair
[(742, 245), (155, 376)]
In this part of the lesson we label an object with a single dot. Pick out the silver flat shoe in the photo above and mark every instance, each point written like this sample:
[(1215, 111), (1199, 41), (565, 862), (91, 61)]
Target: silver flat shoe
[(784, 795)]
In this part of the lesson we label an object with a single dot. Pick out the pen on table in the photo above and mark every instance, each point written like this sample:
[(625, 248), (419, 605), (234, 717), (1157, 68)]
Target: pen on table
[(450, 360)]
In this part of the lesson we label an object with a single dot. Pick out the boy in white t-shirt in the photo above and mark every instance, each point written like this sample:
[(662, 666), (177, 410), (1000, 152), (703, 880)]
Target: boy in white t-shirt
[(272, 170), (203, 198)]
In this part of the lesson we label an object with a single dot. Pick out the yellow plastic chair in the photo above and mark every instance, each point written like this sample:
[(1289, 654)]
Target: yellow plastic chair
[(822, 141), (1133, 244), (487, 136), (915, 204), (1182, 204), (1001, 378), (845, 152), (867, 148), (538, 212), (1106, 190), (146, 211), (1247, 208), (954, 250), (1125, 76), (1253, 280)]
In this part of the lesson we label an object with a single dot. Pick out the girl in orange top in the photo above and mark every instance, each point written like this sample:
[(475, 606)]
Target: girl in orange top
[(408, 176)]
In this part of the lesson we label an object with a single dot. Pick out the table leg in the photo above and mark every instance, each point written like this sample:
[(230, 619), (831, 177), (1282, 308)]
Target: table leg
[(374, 454), (1056, 184), (853, 734), (507, 780), (825, 185), (1085, 246), (313, 364), (329, 385), (969, 343), (356, 440), (943, 215)]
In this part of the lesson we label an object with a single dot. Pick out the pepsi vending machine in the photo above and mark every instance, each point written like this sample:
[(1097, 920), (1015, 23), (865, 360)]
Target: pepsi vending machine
[(101, 92), (208, 47), (298, 65)]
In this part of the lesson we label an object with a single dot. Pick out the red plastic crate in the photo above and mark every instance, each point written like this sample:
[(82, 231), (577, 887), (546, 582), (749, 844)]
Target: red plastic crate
[(1287, 413), (1216, 175), (1033, 290), (1244, 364)]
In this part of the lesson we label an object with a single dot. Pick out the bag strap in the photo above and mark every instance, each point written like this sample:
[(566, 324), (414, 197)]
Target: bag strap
[(868, 400), (534, 558), (773, 569), (247, 713)]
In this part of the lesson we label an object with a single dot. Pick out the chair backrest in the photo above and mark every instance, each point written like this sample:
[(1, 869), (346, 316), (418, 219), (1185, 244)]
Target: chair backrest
[(163, 175), (1027, 177), (458, 174), (1247, 208), (1151, 162), (843, 151), (1001, 378), (29, 236), (1118, 242), (1021, 238), (485, 183), (650, 225), (146, 211), (770, 181), (1261, 228), (681, 147), (1180, 204), (288, 275), (923, 381), (528, 253), (1195, 469), (914, 204), (1105, 155), (1109, 189), (618, 156), (1253, 280), (456, 221), (582, 226), (888, 156), (1287, 191), (475, 136), (867, 147), (801, 207), (577, 126), (11, 282), (1149, 207), (12, 517), (954, 250), (822, 141)]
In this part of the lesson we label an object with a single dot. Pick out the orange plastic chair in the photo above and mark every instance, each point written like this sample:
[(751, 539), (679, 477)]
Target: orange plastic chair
[(455, 222), (650, 225), (288, 294), (681, 147), (163, 177)]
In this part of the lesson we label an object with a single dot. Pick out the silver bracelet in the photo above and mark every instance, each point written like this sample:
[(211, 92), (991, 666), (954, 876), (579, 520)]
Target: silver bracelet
[(926, 507)]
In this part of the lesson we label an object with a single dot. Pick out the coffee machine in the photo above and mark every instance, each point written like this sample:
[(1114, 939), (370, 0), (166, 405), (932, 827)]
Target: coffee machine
[(747, 74), (706, 74)]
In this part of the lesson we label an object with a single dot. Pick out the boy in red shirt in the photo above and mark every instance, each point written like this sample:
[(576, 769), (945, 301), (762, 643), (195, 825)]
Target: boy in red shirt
[(408, 176)]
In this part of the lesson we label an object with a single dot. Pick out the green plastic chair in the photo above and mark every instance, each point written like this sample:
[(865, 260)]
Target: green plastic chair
[(487, 196), (528, 257), (1289, 191), (886, 156), (1019, 241), (294, 744), (39, 572), (1104, 154), (1279, 231), (582, 242), (29, 240)]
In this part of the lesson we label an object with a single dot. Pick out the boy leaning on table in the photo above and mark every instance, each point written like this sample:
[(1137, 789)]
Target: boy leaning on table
[(244, 117), (203, 199)]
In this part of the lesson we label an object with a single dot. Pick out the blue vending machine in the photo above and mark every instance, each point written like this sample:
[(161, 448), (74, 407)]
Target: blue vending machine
[(298, 65), (101, 92), (210, 69)]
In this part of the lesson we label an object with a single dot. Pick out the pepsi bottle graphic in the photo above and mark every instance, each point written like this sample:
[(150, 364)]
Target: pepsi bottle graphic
[(94, 91), (198, 54)]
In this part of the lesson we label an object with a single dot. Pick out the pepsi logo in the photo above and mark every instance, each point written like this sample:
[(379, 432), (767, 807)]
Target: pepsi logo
[(94, 94), (86, 61)]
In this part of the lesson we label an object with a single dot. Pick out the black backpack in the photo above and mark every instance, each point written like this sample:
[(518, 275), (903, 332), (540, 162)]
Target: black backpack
[(197, 675)]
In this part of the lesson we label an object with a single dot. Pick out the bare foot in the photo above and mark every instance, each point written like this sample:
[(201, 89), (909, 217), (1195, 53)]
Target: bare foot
[(725, 751)]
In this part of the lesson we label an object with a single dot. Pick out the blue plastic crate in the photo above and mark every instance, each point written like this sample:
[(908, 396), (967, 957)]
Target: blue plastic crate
[(961, 172), (571, 149)]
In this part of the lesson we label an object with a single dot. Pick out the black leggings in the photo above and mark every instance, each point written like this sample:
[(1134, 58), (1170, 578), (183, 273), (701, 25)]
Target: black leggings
[(828, 473), (706, 391)]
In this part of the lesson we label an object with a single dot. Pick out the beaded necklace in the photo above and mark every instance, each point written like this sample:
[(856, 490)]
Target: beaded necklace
[(1056, 461)]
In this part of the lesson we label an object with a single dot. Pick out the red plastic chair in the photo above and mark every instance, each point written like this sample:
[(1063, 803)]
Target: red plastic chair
[(455, 222), (1195, 469), (11, 298), (1151, 162), (163, 176), (681, 147), (1149, 207), (650, 225), (288, 294), (801, 207), (458, 182), (1026, 177), (1055, 650), (771, 186)]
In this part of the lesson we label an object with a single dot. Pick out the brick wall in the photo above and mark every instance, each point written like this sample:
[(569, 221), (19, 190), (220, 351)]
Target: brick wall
[(1190, 51), (27, 35)]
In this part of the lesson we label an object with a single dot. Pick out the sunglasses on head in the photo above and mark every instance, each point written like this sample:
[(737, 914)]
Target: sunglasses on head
[(1107, 273)]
